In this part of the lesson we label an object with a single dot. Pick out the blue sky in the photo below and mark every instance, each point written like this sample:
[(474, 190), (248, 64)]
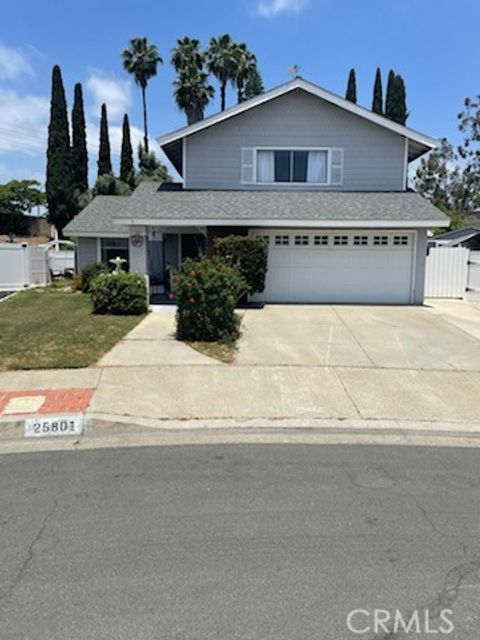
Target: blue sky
[(432, 43)]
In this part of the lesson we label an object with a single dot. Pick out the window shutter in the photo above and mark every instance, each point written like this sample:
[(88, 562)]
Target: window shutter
[(248, 165), (336, 166)]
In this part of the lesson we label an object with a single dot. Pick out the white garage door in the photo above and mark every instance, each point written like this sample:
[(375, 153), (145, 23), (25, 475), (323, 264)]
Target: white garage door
[(340, 266)]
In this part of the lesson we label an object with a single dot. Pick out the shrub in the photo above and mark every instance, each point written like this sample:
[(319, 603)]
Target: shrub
[(206, 292), (119, 294), (249, 255), (89, 272)]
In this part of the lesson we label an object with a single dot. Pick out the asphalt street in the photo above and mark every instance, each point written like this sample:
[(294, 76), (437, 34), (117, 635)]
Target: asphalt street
[(250, 542)]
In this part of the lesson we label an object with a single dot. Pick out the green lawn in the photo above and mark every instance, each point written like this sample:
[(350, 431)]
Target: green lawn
[(52, 328)]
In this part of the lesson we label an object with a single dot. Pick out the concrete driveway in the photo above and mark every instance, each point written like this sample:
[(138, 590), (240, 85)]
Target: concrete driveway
[(436, 337)]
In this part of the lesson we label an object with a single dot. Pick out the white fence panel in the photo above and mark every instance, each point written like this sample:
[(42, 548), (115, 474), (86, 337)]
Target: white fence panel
[(446, 272), (39, 274), (14, 266), (473, 284)]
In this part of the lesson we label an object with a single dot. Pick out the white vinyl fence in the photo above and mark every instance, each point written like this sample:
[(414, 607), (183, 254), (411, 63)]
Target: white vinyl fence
[(446, 272), (473, 283), (22, 266)]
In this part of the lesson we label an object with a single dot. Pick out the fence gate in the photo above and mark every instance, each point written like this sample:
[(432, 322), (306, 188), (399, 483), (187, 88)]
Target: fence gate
[(473, 283), (39, 274), (446, 272)]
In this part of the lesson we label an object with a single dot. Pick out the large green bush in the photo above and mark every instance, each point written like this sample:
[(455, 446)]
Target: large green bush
[(206, 292), (248, 254), (89, 272), (119, 294)]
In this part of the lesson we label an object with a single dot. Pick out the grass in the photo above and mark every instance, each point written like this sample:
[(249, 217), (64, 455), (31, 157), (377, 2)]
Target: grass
[(225, 352), (53, 328)]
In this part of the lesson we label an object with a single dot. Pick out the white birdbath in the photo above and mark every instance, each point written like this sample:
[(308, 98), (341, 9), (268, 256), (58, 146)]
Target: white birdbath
[(118, 262)]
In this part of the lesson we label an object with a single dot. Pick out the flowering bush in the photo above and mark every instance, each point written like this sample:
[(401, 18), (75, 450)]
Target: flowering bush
[(206, 292), (119, 294)]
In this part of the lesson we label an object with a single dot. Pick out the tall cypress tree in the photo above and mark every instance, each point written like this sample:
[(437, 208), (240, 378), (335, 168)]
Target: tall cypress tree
[(104, 159), (59, 182), (351, 94), (377, 104), (390, 98), (79, 142), (401, 112), (127, 173)]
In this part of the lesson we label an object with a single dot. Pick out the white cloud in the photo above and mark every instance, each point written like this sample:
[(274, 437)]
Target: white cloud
[(23, 123), (272, 8), (115, 93), (13, 63)]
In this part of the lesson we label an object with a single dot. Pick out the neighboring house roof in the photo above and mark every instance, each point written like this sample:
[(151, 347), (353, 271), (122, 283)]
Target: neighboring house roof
[(149, 205), (97, 218), (458, 234), (419, 143)]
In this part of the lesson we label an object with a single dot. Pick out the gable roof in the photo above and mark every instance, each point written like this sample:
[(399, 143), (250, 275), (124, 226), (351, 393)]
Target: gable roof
[(419, 143), (97, 218)]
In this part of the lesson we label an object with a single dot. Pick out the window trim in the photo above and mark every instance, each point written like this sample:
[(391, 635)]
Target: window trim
[(292, 149)]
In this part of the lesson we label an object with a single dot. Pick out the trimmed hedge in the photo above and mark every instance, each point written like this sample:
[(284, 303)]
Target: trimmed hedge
[(89, 272), (206, 292), (248, 254), (119, 294)]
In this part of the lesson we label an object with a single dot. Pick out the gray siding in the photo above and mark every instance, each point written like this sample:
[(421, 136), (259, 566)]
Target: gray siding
[(420, 263), (373, 156), (86, 251)]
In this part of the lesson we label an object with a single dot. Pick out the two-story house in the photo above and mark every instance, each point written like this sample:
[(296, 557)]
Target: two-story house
[(323, 180)]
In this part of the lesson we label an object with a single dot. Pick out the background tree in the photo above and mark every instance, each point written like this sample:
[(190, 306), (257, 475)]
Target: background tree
[(79, 151), (390, 95), (191, 88), (222, 63), (104, 157), (245, 61), (127, 170), (469, 150), (351, 93), (59, 181), (109, 185), (377, 103), (254, 84), (150, 168), (141, 60), (17, 198)]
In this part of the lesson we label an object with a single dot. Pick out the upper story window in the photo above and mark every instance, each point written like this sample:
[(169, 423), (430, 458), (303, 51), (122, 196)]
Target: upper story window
[(292, 166), (315, 166)]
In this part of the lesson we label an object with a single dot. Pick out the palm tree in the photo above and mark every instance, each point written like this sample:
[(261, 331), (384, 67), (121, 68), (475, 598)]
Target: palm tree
[(187, 52), (221, 62), (245, 62), (192, 92), (141, 60)]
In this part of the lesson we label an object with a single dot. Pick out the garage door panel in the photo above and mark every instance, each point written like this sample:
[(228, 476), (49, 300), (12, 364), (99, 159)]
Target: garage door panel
[(356, 274)]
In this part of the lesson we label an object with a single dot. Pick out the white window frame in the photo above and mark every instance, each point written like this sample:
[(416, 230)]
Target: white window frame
[(302, 184)]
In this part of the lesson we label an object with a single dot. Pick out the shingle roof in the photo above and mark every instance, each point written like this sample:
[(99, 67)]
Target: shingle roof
[(97, 217), (148, 203)]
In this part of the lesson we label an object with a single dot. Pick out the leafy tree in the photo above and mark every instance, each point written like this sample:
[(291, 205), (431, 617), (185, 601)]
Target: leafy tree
[(245, 61), (79, 142), (377, 104), (222, 63), (104, 159), (254, 84), (109, 185), (141, 60), (59, 182), (127, 171), (469, 150), (192, 91), (151, 168), (17, 198), (351, 94)]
